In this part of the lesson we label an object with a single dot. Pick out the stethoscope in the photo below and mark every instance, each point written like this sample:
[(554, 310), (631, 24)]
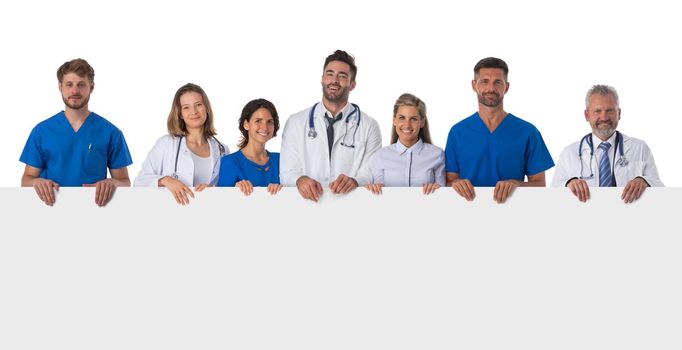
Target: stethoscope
[(313, 134), (221, 149), (619, 148)]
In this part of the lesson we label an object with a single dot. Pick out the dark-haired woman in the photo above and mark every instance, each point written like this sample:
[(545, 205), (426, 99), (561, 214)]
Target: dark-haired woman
[(253, 166)]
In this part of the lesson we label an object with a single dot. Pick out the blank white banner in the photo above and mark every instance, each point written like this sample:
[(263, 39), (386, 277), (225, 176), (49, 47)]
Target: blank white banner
[(396, 271)]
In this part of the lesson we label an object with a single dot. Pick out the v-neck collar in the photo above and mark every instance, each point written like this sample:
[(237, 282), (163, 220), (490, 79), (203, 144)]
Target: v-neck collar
[(65, 120), (485, 127)]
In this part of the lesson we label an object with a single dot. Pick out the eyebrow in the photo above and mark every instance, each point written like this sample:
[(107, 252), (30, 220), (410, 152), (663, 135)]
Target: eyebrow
[(339, 72)]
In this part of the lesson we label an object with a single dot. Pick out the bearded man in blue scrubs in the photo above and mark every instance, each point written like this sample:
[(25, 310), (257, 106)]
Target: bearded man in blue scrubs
[(75, 147), (493, 147)]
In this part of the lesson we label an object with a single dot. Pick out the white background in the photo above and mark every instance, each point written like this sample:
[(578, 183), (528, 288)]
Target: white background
[(143, 51)]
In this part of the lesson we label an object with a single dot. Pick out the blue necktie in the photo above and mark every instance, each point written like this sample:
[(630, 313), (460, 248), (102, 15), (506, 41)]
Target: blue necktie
[(605, 176)]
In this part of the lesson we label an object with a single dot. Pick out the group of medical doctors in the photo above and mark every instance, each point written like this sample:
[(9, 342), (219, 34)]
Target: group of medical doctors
[(333, 145)]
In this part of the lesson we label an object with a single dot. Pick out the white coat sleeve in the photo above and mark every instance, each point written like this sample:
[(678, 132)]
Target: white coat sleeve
[(216, 167), (152, 168), (291, 154), (373, 145), (376, 169), (650, 172), (563, 171)]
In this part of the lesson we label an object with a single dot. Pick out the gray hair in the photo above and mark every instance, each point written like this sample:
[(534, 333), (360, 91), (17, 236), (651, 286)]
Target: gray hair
[(602, 90)]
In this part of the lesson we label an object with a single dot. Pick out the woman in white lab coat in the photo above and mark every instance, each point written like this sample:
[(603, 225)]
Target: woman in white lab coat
[(410, 160), (189, 155)]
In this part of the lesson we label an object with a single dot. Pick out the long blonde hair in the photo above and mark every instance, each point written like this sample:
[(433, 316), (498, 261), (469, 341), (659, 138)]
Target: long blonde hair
[(412, 100)]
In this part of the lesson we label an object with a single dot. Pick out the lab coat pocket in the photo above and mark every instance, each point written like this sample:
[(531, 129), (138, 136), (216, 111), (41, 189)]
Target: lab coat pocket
[(95, 162), (630, 171)]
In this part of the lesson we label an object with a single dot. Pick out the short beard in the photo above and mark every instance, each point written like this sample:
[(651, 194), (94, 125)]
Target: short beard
[(495, 103), (84, 102), (340, 97), (604, 134)]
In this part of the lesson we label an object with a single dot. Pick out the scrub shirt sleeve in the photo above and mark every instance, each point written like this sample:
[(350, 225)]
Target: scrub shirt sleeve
[(32, 153), (228, 172), (118, 153), (539, 158), (451, 165)]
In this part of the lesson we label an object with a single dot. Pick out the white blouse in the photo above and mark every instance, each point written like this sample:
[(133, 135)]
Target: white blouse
[(398, 166)]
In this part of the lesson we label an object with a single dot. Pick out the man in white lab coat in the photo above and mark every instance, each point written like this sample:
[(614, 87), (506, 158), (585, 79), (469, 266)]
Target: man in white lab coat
[(330, 142), (606, 157)]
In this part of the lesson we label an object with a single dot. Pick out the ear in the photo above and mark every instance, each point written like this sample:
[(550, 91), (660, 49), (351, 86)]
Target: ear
[(352, 85), (587, 116), (618, 113), (473, 85), (422, 123), (507, 88), (92, 86), (245, 124)]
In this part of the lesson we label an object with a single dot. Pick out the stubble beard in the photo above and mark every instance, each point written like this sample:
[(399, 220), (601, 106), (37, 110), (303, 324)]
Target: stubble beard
[(79, 105), (496, 102)]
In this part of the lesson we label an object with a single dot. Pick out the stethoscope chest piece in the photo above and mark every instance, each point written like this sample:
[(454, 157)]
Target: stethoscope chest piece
[(622, 161), (312, 133)]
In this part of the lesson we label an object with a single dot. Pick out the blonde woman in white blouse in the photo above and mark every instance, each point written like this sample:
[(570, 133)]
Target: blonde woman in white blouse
[(410, 160)]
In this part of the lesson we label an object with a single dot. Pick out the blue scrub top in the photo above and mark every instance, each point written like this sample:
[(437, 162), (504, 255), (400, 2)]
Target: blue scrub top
[(515, 149), (236, 167), (72, 158)]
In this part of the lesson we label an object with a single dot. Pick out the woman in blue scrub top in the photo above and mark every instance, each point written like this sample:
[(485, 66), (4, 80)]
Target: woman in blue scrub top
[(410, 160), (253, 165), (189, 155)]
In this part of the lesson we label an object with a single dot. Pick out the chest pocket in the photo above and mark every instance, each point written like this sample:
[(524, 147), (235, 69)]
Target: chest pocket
[(95, 161), (628, 172)]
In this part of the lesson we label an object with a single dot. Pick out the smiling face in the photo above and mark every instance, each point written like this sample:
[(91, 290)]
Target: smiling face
[(490, 85), (261, 126), (193, 110), (336, 82), (603, 115), (407, 123), (76, 90)]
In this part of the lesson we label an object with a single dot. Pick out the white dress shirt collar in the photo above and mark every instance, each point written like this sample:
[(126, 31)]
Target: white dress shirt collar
[(416, 148)]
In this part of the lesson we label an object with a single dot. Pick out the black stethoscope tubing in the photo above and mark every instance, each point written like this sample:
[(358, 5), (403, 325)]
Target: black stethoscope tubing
[(221, 149)]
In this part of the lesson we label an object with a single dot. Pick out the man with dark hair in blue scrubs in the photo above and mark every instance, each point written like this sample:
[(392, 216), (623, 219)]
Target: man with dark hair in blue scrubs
[(493, 147), (75, 147)]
